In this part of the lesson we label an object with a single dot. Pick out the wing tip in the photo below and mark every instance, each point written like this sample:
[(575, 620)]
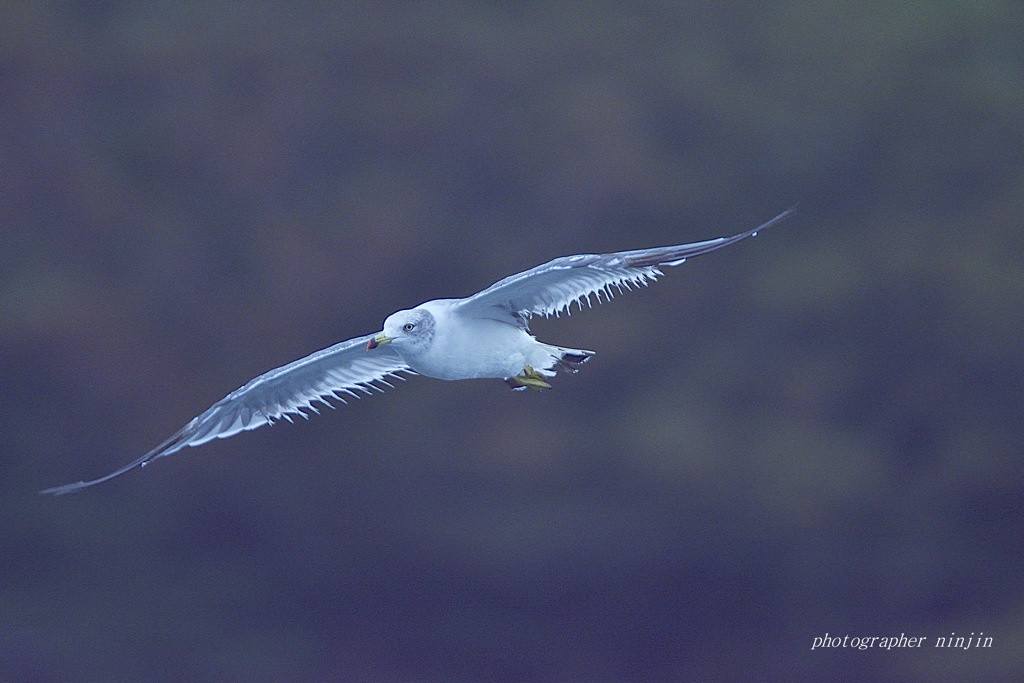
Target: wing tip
[(65, 489)]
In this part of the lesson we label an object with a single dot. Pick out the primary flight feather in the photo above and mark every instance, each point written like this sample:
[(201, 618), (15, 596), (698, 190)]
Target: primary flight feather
[(484, 335)]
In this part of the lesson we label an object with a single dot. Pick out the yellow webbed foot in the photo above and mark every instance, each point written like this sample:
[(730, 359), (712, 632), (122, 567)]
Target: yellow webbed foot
[(530, 379)]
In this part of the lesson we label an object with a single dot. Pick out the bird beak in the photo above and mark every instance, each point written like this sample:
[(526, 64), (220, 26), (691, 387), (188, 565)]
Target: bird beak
[(377, 341)]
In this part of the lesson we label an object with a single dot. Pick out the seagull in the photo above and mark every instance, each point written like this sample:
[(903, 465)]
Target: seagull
[(486, 335)]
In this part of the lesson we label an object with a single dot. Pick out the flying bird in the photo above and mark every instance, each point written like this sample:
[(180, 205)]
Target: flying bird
[(485, 335)]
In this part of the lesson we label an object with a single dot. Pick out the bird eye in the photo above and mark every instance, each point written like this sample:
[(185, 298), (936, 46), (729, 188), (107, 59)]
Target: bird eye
[(408, 327)]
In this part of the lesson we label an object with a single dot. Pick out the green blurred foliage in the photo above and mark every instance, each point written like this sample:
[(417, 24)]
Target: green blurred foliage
[(817, 430)]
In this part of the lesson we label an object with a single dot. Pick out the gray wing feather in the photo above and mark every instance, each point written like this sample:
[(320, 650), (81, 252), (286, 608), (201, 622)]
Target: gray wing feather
[(332, 373), (551, 288)]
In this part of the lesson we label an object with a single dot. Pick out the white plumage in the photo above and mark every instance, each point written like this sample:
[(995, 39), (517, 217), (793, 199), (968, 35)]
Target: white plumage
[(484, 335)]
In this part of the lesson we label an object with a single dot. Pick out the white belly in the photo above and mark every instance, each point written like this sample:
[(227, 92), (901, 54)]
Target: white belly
[(495, 349)]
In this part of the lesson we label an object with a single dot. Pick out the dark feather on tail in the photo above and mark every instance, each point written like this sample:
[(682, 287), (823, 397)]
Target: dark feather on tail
[(571, 361)]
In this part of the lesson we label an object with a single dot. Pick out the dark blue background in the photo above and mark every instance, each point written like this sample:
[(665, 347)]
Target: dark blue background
[(817, 430)]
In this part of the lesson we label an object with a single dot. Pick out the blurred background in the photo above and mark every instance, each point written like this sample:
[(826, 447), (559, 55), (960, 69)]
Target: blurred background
[(815, 431)]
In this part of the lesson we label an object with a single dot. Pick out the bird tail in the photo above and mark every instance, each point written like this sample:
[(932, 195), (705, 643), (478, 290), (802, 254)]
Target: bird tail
[(569, 360)]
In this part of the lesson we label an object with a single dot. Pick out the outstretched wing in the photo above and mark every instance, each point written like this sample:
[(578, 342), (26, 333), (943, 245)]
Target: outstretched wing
[(551, 288), (342, 369)]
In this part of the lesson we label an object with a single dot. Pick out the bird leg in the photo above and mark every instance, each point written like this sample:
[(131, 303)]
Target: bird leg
[(530, 379)]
